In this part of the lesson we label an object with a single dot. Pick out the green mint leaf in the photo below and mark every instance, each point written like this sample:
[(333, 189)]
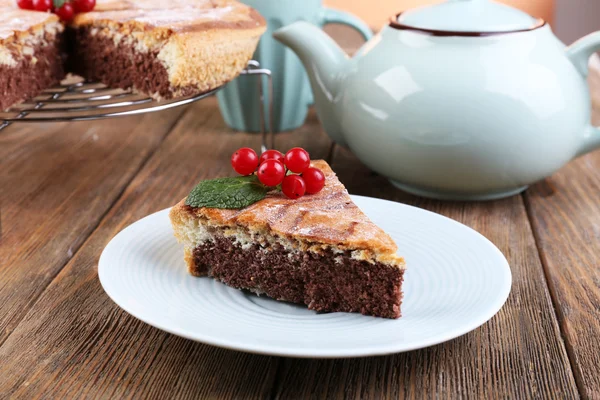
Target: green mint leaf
[(58, 3), (229, 193)]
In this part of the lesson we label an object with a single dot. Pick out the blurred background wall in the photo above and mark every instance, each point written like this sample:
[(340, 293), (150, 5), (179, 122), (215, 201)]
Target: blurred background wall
[(570, 19), (575, 18)]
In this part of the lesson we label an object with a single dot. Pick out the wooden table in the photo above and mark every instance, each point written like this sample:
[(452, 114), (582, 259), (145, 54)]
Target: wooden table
[(67, 189)]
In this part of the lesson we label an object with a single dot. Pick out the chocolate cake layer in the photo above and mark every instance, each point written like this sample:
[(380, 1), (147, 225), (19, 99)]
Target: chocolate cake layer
[(31, 71), (96, 58), (328, 282)]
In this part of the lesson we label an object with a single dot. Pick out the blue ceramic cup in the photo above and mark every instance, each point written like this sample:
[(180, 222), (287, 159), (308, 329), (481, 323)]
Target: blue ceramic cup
[(292, 95)]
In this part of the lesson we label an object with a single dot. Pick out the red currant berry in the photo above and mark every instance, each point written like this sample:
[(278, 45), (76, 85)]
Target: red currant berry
[(271, 172), (297, 160), (293, 186), (271, 155), (65, 12), (42, 5), (244, 161), (84, 5), (314, 179), (25, 4)]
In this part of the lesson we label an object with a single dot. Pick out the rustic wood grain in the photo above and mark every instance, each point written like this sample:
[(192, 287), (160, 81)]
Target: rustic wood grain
[(565, 214), (73, 342), (518, 354), (57, 181), (76, 343)]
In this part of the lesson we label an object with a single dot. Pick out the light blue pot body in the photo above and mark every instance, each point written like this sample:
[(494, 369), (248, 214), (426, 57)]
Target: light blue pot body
[(239, 100), (454, 117)]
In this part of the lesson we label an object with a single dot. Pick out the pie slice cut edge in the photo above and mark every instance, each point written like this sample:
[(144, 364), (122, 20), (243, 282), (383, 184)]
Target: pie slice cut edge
[(320, 250)]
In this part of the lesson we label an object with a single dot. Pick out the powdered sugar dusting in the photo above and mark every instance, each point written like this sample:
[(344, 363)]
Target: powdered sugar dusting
[(12, 21), (102, 5), (177, 16)]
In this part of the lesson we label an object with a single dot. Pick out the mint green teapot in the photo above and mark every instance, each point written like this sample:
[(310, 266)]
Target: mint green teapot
[(465, 100)]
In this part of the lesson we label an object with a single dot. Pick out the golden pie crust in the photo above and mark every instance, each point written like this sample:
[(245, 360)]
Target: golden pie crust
[(326, 220)]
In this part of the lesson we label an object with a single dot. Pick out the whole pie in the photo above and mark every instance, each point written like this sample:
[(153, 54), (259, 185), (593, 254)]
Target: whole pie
[(320, 250), (161, 49)]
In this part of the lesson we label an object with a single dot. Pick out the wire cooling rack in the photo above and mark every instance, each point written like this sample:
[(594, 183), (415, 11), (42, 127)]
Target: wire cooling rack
[(77, 100)]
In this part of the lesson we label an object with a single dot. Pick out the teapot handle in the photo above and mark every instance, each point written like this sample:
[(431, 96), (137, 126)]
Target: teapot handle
[(333, 16), (579, 53)]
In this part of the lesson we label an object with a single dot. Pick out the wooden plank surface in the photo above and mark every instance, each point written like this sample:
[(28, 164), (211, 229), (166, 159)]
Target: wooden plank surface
[(75, 334), (57, 181), (73, 342), (565, 213), (76, 343), (518, 354)]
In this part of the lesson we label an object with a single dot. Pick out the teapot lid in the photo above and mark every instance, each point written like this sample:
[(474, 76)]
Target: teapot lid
[(467, 16)]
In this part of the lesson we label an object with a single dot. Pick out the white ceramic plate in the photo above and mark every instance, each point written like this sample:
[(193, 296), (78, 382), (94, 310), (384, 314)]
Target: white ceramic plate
[(456, 280)]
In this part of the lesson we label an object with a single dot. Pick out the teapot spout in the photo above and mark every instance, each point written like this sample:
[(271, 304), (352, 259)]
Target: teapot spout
[(323, 60)]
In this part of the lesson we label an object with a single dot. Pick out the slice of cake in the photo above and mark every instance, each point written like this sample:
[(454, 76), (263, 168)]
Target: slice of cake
[(169, 52), (320, 250), (30, 54)]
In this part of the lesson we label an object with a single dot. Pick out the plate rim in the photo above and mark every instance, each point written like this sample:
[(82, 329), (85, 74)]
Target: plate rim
[(357, 352)]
